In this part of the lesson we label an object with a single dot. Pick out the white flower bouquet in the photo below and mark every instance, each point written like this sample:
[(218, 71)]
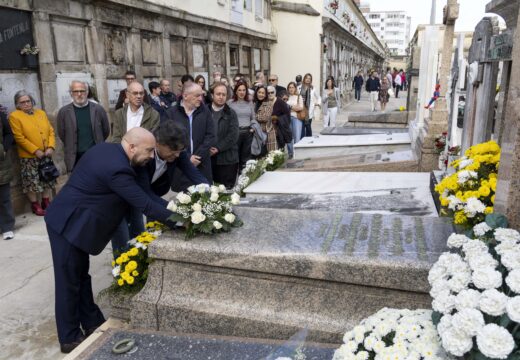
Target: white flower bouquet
[(255, 168), (393, 334), (476, 294), (205, 209)]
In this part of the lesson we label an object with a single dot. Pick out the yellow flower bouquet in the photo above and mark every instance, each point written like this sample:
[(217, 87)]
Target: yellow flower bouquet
[(468, 195), (130, 269)]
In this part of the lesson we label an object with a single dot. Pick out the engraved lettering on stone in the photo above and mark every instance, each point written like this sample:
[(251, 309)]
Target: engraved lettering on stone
[(350, 246), (375, 235), (397, 229), (331, 234), (422, 248)]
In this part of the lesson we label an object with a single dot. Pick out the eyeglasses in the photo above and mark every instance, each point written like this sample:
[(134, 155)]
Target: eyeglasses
[(78, 91), (25, 102), (273, 79), (137, 93), (271, 92)]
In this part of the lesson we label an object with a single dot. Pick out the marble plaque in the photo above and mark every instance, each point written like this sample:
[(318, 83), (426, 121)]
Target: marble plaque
[(198, 56), (177, 51), (114, 87), (11, 83), (69, 40)]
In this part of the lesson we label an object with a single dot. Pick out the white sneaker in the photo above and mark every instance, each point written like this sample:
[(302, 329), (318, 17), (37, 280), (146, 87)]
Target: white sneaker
[(8, 235)]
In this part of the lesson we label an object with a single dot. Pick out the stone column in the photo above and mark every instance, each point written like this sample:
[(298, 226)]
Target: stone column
[(507, 198), (96, 58), (438, 121), (167, 61)]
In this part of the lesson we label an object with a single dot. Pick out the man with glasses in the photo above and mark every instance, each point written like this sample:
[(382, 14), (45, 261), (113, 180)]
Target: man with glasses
[(81, 124), (122, 99), (273, 81)]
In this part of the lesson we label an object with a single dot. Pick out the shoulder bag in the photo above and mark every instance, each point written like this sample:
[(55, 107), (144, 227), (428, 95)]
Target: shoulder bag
[(302, 114)]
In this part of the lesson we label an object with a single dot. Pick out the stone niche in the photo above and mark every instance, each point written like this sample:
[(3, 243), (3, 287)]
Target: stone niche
[(199, 52), (286, 270), (69, 40), (219, 57), (115, 45), (151, 49)]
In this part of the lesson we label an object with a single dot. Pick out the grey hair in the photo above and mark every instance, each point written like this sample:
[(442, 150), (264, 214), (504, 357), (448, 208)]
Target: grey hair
[(78, 82), (22, 93), (271, 88)]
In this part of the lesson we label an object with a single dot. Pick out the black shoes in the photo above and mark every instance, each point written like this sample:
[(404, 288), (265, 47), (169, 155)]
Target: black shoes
[(90, 331), (67, 348)]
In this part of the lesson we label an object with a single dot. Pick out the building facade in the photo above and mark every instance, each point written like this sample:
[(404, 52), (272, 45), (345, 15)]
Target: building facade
[(392, 27), (98, 41), (323, 38)]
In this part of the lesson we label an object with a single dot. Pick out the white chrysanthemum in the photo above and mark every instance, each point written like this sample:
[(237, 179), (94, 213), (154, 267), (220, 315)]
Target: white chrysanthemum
[(473, 207), (447, 259), (444, 303), (465, 163), (444, 324), (459, 280), (481, 229), (359, 333), (379, 346), (116, 271), (456, 342), (343, 353), (474, 247), (513, 308), (469, 321), (513, 281), (235, 199), (493, 302), (495, 341), (362, 355), (467, 299), (484, 260), (439, 287), (352, 346), (487, 278), (511, 258), (502, 234), (369, 342), (464, 175), (506, 246), (454, 203), (183, 198), (457, 240), (197, 217), (437, 273), (349, 335)]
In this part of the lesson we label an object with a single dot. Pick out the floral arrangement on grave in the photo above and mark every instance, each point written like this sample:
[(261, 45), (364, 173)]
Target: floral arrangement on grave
[(393, 334), (130, 269), (334, 5), (205, 210), (255, 168), (29, 50), (476, 293), (469, 194)]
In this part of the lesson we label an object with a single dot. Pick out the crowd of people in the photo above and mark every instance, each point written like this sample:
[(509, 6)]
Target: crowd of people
[(380, 88)]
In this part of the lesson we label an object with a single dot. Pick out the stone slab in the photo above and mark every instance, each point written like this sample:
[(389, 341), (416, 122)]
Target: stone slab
[(285, 270), (361, 131), (349, 191), (325, 146), (394, 117), (160, 345)]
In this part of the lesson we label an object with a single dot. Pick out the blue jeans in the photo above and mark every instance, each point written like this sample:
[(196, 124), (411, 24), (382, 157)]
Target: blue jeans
[(296, 126), (307, 128), (357, 94)]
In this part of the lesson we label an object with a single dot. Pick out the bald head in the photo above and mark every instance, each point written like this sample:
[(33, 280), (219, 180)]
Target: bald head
[(135, 94), (139, 145)]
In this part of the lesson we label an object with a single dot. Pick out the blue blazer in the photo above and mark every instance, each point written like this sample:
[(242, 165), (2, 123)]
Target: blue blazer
[(162, 185), (92, 204)]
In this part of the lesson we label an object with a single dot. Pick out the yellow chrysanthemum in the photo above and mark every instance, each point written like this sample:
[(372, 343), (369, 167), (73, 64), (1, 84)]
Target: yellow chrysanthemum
[(130, 280), (133, 252), (132, 265), (488, 210), (460, 217), (113, 263), (493, 199), (119, 260), (135, 273), (484, 191), (444, 201), (120, 282)]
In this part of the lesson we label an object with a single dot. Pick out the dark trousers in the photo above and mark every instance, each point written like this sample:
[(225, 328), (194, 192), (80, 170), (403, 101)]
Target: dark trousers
[(6, 209), (245, 139), (307, 128), (74, 301), (397, 88), (129, 228), (224, 174), (357, 94)]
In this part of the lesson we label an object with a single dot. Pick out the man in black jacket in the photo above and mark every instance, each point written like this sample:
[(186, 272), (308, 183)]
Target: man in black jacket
[(224, 155), (197, 122), (373, 86)]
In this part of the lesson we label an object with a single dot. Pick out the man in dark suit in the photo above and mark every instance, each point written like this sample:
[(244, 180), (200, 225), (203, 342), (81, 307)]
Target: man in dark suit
[(197, 122), (80, 222), (273, 81)]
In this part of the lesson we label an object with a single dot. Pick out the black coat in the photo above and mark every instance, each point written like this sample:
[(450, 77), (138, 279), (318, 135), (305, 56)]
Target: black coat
[(373, 84), (283, 122), (203, 138), (227, 137)]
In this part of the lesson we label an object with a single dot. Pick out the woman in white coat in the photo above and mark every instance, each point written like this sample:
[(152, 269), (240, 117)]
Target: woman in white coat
[(331, 103), (310, 99)]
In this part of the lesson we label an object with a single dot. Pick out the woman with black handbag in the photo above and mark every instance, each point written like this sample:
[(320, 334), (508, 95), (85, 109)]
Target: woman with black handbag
[(36, 142)]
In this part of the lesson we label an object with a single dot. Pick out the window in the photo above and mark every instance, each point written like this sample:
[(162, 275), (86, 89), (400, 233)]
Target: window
[(248, 5), (259, 13), (233, 56), (246, 56)]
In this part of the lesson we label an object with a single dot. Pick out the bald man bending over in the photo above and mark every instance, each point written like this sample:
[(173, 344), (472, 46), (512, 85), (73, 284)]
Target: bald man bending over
[(81, 220)]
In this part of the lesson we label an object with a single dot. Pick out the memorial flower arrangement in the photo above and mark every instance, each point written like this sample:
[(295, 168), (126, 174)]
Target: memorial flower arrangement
[(469, 194), (476, 294), (29, 50), (205, 209), (130, 269), (393, 334), (255, 168)]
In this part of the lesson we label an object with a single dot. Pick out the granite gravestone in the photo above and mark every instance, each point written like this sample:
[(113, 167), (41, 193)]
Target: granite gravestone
[(285, 270)]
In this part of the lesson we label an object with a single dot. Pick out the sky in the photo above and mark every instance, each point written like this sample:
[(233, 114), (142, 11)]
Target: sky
[(470, 11)]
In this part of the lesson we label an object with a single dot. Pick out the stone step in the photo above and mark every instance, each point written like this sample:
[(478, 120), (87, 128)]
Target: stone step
[(285, 270), (361, 131), (340, 145)]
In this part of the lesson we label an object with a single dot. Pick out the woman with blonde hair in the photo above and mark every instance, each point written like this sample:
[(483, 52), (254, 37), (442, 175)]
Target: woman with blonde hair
[(36, 142), (310, 100)]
